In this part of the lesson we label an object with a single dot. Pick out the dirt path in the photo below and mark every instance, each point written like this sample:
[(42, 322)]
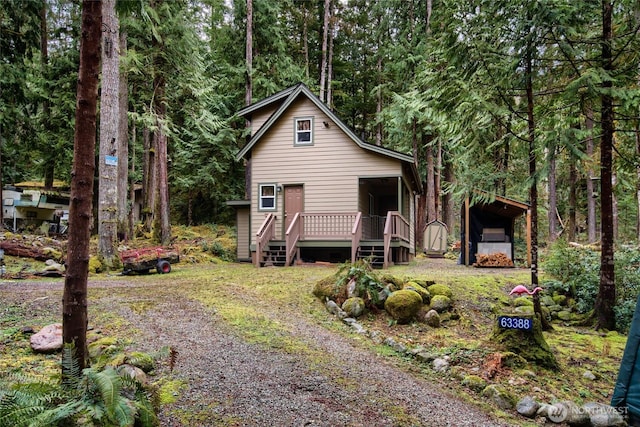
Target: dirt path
[(234, 383)]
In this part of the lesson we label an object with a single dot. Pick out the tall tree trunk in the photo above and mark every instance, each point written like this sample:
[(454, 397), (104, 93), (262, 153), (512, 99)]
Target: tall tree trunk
[(448, 205), (379, 88), (614, 205), (553, 201), (162, 224), (323, 62), (124, 231), (421, 209), (605, 301), (248, 93), (591, 199), (132, 189), (74, 300), (533, 191), (49, 167), (109, 144), (437, 179), (573, 199), (431, 187), (305, 38), (149, 186), (330, 61)]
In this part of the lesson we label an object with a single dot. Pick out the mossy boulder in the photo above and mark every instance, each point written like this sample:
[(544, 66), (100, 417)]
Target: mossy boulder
[(95, 266), (440, 289), (403, 305), (547, 300), (529, 344), (560, 299), (52, 253), (325, 288), (141, 360), (564, 315), (432, 318), (440, 303), (414, 286), (354, 307), (392, 280), (523, 301), (474, 382), (524, 309), (500, 396)]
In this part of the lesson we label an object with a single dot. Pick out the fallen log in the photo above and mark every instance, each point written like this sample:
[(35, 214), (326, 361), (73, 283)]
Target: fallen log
[(27, 250)]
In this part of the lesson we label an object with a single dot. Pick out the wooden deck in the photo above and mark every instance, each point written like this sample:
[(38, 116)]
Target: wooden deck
[(335, 230)]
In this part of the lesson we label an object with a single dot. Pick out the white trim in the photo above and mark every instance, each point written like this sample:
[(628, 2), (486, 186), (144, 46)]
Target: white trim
[(263, 198), (307, 134)]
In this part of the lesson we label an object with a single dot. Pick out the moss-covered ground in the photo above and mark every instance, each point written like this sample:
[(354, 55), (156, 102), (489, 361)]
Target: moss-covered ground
[(246, 299)]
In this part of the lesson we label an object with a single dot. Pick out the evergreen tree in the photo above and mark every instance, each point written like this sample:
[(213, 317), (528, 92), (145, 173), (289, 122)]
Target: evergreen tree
[(74, 301)]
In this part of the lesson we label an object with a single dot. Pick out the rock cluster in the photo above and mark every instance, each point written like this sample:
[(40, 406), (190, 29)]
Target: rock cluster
[(568, 412), (405, 301)]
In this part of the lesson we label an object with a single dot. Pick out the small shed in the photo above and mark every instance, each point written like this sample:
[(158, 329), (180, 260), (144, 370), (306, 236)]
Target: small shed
[(435, 239), (243, 217), (488, 227), (626, 394)]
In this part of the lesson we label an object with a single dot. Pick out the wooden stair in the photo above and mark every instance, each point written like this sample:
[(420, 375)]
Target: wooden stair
[(275, 255), (375, 253)]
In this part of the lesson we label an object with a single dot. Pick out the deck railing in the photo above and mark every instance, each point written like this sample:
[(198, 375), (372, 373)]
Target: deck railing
[(292, 236), (334, 226), (330, 226), (266, 232), (396, 227), (356, 236)]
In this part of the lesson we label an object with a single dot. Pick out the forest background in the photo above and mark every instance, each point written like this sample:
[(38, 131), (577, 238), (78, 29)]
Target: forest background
[(533, 100)]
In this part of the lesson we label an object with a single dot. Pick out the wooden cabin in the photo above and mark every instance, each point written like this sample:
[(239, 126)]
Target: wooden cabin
[(317, 192)]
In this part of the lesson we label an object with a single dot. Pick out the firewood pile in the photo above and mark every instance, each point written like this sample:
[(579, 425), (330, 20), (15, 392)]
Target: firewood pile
[(497, 259), (145, 255)]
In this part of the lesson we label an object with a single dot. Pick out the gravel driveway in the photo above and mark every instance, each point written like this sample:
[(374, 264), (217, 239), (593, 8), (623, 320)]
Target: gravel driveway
[(235, 383)]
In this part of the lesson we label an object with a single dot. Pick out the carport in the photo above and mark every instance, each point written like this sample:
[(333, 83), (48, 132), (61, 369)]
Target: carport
[(488, 227)]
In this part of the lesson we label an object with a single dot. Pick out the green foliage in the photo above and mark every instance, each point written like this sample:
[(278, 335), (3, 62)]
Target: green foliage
[(366, 283), (91, 397), (575, 272), (219, 250)]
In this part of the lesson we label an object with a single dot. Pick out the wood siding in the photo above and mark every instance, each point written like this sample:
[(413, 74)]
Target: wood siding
[(259, 117), (329, 169)]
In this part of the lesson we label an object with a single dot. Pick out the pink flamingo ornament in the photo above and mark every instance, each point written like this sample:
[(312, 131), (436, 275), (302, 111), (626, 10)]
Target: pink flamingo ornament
[(521, 290)]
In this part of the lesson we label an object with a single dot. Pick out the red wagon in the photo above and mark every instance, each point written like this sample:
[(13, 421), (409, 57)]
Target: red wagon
[(143, 260)]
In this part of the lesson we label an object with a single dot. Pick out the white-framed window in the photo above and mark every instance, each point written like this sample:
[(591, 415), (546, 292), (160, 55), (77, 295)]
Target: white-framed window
[(303, 131), (267, 197)]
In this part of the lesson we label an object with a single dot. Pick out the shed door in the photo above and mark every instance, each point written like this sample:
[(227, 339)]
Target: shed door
[(292, 203)]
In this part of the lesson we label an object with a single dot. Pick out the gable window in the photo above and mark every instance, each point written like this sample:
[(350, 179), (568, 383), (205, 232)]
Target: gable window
[(267, 196), (303, 135)]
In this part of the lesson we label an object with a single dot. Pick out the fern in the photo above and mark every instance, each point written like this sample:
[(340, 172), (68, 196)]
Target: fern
[(367, 284), (92, 397)]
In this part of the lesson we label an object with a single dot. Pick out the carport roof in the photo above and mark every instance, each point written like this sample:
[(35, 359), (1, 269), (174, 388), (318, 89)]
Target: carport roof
[(504, 207)]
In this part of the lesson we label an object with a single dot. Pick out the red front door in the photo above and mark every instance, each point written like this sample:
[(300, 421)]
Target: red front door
[(292, 203)]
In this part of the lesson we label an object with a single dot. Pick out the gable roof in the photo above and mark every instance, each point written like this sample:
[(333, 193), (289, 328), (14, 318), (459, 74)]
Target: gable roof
[(503, 206), (287, 97)]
